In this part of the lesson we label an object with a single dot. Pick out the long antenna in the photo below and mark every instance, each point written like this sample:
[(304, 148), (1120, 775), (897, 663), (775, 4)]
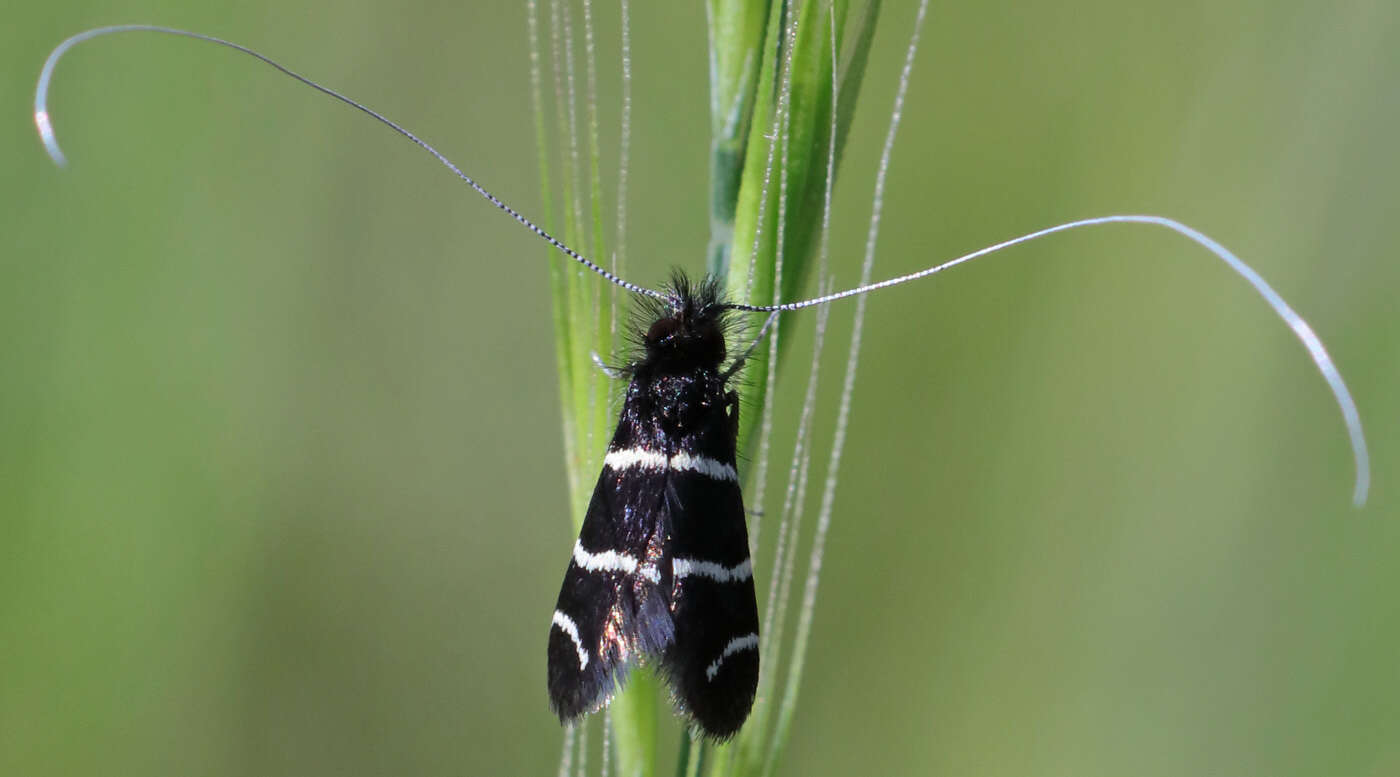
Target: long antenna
[(1350, 417), (1305, 334), (46, 133)]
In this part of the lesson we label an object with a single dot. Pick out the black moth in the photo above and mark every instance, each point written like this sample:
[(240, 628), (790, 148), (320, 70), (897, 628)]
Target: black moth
[(661, 569)]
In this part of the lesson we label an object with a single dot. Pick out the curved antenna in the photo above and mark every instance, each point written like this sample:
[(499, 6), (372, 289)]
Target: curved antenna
[(1350, 417), (1304, 333), (46, 133)]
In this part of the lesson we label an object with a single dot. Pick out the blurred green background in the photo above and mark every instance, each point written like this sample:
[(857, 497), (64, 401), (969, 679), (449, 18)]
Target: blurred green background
[(281, 490)]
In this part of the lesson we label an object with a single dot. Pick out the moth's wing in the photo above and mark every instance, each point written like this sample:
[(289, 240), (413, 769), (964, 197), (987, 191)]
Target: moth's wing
[(611, 607), (713, 663)]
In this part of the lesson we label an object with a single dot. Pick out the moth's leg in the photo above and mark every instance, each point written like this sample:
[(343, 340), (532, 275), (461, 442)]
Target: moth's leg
[(731, 411), (616, 373), (742, 358)]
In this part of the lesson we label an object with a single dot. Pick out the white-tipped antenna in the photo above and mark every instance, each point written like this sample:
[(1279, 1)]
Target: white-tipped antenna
[(46, 133), (1350, 417)]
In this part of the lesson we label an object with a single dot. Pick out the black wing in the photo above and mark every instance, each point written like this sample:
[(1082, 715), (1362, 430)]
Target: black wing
[(661, 567), (713, 663), (612, 607)]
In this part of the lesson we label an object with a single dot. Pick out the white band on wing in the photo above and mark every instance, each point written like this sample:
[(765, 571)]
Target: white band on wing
[(746, 642), (685, 567), (603, 561), (567, 625), (681, 462)]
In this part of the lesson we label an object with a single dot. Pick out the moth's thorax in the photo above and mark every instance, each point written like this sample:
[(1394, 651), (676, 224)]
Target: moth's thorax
[(678, 404)]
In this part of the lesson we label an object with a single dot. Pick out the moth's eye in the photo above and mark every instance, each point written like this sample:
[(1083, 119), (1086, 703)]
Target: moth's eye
[(662, 330)]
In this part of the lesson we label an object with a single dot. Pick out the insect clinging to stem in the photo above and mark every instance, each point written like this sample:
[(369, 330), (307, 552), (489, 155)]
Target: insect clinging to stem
[(661, 568)]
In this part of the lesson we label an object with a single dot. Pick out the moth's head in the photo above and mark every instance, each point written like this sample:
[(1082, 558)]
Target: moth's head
[(687, 331)]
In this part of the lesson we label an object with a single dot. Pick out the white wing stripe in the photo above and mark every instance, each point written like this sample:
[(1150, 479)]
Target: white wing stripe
[(746, 642), (567, 625), (635, 457), (604, 561), (684, 462), (681, 462), (685, 567)]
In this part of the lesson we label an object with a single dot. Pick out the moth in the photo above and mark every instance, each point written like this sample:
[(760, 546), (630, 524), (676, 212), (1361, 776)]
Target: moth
[(661, 567)]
